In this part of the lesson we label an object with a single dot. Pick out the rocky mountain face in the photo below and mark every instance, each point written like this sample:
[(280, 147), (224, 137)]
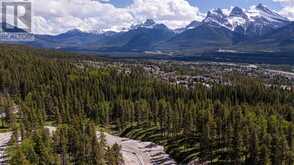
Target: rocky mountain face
[(234, 29), (256, 21)]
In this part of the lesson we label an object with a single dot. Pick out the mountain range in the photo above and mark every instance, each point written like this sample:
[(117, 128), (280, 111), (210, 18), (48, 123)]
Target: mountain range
[(255, 29)]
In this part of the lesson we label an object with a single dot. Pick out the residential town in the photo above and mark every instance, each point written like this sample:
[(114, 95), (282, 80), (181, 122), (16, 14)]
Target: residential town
[(188, 74)]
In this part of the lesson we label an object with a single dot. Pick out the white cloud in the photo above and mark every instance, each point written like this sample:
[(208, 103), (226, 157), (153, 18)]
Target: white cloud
[(288, 8), (57, 16), (173, 13), (285, 1), (288, 12)]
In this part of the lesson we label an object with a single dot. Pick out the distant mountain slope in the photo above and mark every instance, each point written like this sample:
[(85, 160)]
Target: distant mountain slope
[(203, 36), (146, 38), (73, 38), (282, 36), (192, 25), (279, 40), (140, 37)]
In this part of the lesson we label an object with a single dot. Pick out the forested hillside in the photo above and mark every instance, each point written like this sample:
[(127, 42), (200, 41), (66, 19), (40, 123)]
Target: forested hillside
[(245, 123), (32, 82)]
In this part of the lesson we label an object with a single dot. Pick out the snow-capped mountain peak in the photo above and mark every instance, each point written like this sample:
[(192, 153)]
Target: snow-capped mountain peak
[(238, 12), (261, 11), (148, 24), (217, 11), (216, 17), (264, 9), (257, 18), (237, 18)]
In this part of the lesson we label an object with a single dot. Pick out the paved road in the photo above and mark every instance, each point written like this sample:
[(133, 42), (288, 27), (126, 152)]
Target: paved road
[(4, 140)]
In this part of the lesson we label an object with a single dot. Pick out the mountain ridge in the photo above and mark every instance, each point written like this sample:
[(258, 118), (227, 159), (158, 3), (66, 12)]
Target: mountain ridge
[(256, 28)]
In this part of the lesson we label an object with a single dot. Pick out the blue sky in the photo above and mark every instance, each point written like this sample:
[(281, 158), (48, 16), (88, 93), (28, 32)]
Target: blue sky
[(205, 5)]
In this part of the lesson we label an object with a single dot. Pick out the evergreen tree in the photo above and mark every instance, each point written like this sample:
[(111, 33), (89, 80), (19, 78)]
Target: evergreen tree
[(113, 155), (19, 158)]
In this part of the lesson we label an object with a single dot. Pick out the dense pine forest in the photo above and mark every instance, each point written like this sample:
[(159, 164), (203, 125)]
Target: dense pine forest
[(245, 123)]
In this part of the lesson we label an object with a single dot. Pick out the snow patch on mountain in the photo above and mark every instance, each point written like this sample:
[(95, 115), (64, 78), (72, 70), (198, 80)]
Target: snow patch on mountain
[(261, 11), (259, 16), (218, 18), (148, 24)]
